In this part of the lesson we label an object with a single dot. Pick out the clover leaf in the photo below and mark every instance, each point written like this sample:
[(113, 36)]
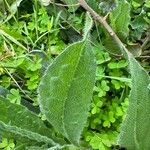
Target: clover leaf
[(14, 96)]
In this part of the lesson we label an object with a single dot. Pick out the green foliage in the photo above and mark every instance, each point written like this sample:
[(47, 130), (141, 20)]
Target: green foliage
[(101, 141), (7, 145), (5, 81), (14, 96), (140, 20), (109, 102), (117, 65), (31, 36), (136, 124), (120, 19)]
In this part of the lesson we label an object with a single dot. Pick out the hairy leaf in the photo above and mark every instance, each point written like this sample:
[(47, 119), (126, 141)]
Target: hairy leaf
[(111, 46), (66, 89), (19, 121), (135, 131), (120, 19), (88, 25), (24, 133)]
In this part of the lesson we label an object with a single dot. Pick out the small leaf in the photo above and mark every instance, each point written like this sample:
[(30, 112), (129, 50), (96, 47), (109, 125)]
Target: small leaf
[(14, 96), (4, 143)]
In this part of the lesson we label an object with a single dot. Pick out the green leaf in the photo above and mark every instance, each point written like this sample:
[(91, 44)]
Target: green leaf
[(14, 96), (65, 90), (139, 23), (111, 46), (120, 19), (135, 131), (117, 65), (147, 4), (102, 141), (4, 143), (18, 122), (101, 56), (5, 81)]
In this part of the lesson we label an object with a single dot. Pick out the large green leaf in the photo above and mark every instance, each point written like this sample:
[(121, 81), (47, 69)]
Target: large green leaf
[(18, 121), (66, 89), (135, 131), (120, 19)]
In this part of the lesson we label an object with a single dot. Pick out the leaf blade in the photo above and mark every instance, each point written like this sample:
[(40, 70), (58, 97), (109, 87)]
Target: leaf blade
[(18, 120), (63, 77), (135, 127)]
